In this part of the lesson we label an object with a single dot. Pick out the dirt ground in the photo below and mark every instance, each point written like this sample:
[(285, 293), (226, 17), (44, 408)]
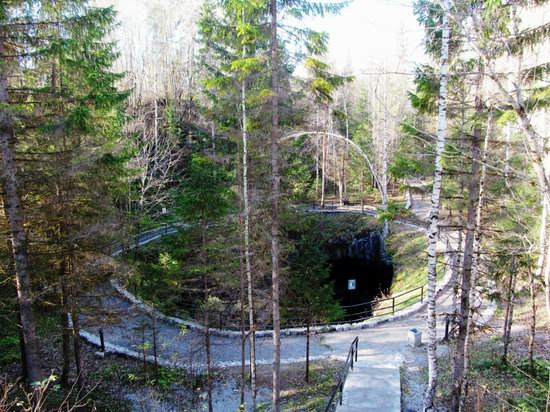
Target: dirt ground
[(118, 384), (495, 386)]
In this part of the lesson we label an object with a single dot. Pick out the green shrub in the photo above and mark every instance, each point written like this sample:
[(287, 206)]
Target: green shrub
[(9, 350)]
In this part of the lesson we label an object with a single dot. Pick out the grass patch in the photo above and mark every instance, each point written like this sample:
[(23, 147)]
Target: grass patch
[(408, 250), (494, 385), (509, 385), (163, 379), (312, 396), (9, 337), (9, 349)]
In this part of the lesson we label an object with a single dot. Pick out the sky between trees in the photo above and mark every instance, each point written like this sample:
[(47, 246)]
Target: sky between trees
[(366, 35)]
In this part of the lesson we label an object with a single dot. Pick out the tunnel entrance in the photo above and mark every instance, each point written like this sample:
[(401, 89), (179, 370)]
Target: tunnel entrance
[(360, 271)]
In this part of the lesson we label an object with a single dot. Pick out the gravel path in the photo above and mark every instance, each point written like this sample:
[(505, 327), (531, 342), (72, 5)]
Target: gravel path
[(123, 324), (379, 347)]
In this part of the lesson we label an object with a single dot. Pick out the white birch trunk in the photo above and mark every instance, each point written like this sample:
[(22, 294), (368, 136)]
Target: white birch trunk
[(248, 265), (434, 212), (542, 270)]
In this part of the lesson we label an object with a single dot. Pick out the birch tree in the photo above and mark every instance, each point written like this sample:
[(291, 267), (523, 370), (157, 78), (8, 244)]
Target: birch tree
[(433, 229)]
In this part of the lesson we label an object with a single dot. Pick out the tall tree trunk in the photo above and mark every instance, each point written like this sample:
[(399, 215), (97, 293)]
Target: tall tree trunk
[(247, 247), (542, 270), (385, 156), (434, 211), (307, 348), (275, 183), (345, 155), (340, 180), (17, 232), (466, 282), (242, 278), (509, 313), (66, 332), (242, 314), (533, 319), (362, 189), (80, 379), (323, 168), (75, 317), (386, 229), (207, 323), (476, 258), (546, 277), (508, 153), (22, 348), (317, 168), (458, 263), (10, 268)]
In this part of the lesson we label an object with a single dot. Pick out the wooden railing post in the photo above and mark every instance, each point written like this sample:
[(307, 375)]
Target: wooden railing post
[(422, 294), (393, 306)]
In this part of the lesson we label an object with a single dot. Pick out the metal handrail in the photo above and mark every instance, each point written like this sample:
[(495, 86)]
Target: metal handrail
[(338, 391), (388, 298)]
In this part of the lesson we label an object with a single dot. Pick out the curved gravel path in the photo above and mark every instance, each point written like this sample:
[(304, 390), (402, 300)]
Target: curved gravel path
[(123, 326), (126, 327), (374, 383)]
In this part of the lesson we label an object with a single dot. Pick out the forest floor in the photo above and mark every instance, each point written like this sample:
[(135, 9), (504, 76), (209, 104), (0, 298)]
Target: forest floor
[(494, 384), (124, 384), (120, 384)]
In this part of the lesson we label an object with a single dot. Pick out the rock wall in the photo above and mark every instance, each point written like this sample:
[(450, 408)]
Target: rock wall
[(368, 246)]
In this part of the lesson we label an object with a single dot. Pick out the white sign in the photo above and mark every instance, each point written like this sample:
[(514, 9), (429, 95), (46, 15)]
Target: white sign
[(351, 284)]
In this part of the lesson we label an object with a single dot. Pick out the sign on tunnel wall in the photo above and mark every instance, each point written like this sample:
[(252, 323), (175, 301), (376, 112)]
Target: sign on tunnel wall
[(351, 284)]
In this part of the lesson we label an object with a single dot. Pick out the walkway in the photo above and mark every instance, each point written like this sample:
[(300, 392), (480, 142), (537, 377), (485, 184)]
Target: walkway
[(374, 385), (375, 382)]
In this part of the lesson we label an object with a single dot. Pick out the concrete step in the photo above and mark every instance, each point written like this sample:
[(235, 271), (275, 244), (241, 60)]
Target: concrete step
[(372, 388)]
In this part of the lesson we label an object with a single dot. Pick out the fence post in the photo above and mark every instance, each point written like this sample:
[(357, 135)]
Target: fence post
[(101, 341), (341, 392), (422, 294), (393, 306), (356, 348)]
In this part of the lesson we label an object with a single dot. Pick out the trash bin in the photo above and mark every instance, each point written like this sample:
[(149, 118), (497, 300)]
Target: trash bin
[(415, 337)]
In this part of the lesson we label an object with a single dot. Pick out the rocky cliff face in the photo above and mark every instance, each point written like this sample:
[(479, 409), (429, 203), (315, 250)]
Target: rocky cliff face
[(368, 247), (362, 261)]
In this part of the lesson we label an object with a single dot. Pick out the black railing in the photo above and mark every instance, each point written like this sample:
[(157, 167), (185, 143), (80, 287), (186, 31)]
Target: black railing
[(337, 394), (373, 308)]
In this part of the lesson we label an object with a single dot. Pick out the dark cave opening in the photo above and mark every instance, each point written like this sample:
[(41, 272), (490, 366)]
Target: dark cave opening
[(361, 272)]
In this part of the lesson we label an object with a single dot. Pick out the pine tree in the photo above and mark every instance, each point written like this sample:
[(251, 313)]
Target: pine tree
[(68, 119), (205, 200), (309, 296)]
